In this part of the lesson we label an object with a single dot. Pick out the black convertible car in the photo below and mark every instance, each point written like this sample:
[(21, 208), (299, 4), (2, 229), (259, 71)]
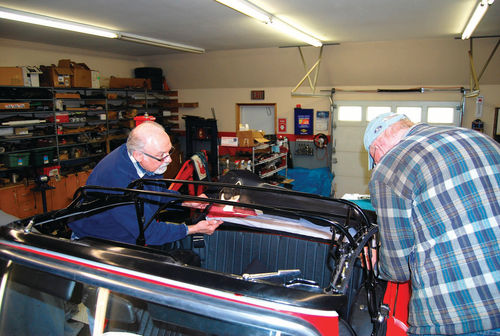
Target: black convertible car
[(282, 263)]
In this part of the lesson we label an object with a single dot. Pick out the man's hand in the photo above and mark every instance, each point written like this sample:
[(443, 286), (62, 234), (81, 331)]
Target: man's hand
[(205, 226), (196, 205)]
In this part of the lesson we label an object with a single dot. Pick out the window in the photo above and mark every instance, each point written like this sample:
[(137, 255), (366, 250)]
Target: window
[(440, 115), (350, 113), (414, 113), (374, 111)]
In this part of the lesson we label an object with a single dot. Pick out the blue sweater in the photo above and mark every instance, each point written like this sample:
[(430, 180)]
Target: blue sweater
[(120, 223)]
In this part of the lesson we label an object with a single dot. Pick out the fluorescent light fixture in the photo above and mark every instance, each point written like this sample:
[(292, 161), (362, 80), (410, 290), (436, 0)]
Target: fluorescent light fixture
[(47, 21), (288, 29), (11, 14), (247, 8), (476, 17), (159, 43), (258, 13)]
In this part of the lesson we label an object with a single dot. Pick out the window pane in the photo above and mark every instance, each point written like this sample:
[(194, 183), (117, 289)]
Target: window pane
[(412, 112), (350, 113), (374, 111), (440, 115)]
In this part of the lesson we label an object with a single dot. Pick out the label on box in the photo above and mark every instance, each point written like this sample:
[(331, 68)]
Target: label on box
[(229, 141), (13, 106)]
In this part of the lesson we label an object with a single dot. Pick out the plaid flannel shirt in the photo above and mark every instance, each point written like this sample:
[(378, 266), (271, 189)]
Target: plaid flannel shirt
[(437, 197)]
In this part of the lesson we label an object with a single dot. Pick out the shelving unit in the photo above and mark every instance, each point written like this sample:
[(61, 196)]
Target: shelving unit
[(265, 160), (71, 129)]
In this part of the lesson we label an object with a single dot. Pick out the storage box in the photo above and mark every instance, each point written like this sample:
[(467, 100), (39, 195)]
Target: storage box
[(55, 76), (44, 157), (21, 131), (82, 76), (17, 160), (11, 76), (15, 106), (250, 138), (63, 95), (31, 76), (6, 131), (61, 117), (125, 83), (50, 170), (80, 73)]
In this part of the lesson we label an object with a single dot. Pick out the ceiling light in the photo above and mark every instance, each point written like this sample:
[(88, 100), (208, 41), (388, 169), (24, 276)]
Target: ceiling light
[(159, 43), (476, 17), (15, 15), (258, 13), (288, 29), (247, 8), (10, 14)]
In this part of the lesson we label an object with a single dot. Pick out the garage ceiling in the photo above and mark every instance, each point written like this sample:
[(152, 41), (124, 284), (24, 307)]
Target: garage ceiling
[(212, 26)]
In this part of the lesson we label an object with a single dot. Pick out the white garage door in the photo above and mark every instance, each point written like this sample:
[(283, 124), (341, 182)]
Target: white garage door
[(351, 117)]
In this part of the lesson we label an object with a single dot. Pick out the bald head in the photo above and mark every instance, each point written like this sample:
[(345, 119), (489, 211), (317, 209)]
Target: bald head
[(150, 146), (145, 134)]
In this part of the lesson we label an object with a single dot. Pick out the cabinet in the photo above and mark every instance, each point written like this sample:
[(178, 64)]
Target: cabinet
[(266, 160), (201, 134), (22, 201)]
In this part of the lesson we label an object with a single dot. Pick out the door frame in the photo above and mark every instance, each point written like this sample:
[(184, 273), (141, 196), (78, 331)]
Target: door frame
[(238, 113)]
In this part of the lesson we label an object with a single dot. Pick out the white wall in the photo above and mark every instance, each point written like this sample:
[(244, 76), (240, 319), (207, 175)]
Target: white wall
[(20, 53), (223, 79)]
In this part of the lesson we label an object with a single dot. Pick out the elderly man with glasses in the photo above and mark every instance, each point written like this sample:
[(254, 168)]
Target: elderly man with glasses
[(146, 154)]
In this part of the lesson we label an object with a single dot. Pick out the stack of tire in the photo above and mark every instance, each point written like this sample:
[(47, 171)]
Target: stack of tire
[(155, 74)]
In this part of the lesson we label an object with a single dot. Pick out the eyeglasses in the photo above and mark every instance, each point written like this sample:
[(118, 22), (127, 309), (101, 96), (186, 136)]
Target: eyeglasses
[(159, 159)]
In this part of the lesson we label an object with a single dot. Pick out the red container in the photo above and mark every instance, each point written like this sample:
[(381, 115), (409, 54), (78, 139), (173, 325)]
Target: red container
[(140, 119), (62, 117)]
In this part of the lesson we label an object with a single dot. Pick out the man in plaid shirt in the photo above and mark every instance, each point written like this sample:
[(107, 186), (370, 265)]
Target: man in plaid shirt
[(436, 191)]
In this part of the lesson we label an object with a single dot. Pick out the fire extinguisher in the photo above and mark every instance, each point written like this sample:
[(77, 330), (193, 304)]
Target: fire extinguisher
[(478, 125)]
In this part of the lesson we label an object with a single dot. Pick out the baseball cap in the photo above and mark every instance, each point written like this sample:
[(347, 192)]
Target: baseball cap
[(376, 127)]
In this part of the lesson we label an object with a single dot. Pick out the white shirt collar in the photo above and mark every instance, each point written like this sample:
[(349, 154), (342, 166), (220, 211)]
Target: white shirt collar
[(138, 169)]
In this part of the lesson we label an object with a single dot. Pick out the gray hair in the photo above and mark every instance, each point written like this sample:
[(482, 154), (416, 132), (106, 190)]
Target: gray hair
[(139, 136)]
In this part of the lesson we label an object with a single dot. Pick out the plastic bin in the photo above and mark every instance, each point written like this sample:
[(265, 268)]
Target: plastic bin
[(41, 158), (17, 160)]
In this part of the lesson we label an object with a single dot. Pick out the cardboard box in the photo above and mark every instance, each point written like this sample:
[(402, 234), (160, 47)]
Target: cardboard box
[(12, 76), (82, 76), (250, 138), (21, 131), (55, 76), (31, 76), (126, 83), (15, 106), (65, 95)]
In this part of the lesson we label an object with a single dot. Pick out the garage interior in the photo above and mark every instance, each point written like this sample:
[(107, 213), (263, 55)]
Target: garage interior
[(223, 68)]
